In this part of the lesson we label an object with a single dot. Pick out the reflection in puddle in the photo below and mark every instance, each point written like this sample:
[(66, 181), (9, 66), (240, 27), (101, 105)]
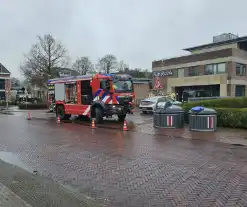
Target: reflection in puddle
[(14, 160)]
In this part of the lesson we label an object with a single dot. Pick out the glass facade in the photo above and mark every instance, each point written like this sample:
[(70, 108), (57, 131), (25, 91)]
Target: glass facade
[(240, 69), (180, 72), (240, 90), (194, 71), (217, 68)]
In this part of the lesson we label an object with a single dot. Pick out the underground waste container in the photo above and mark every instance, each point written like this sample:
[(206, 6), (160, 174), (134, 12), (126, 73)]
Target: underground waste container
[(167, 115), (202, 119)]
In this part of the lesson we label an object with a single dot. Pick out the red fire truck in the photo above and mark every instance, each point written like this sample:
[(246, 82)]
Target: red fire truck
[(97, 96)]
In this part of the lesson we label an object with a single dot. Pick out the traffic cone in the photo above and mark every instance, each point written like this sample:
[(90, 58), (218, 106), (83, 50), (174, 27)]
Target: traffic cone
[(58, 120), (125, 126), (28, 116), (93, 124)]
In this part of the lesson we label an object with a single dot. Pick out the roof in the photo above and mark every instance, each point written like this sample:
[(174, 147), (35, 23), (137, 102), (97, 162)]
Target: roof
[(142, 79), (141, 82), (3, 69), (69, 79), (133, 73), (236, 40)]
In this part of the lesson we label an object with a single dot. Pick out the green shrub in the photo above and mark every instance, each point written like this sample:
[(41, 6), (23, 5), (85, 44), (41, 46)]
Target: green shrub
[(3, 103), (232, 117), (218, 103), (33, 106)]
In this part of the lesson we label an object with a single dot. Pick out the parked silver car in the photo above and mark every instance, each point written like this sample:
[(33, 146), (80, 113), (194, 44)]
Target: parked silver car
[(148, 104)]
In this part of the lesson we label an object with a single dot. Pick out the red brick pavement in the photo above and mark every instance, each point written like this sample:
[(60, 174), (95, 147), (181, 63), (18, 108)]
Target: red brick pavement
[(225, 135), (9, 198), (133, 168)]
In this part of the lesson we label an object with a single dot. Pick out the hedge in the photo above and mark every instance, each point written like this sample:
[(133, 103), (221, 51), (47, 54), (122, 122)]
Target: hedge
[(219, 103), (232, 117), (33, 106), (3, 103)]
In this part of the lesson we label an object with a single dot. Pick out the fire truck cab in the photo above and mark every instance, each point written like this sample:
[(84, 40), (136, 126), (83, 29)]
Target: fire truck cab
[(97, 96)]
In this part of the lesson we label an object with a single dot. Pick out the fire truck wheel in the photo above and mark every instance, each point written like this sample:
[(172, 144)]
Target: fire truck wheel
[(121, 117), (98, 115), (61, 113)]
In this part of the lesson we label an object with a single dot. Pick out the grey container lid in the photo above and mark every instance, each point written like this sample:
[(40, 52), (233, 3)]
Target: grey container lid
[(173, 109), (203, 111)]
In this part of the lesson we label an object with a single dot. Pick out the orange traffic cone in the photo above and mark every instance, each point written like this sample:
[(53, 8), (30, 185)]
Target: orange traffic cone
[(58, 120), (28, 116), (125, 126), (93, 124)]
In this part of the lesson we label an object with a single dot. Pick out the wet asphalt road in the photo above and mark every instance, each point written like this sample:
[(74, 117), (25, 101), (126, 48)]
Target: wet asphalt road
[(130, 168)]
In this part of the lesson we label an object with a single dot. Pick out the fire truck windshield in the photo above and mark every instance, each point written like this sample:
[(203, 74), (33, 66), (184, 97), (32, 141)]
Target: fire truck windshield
[(122, 86)]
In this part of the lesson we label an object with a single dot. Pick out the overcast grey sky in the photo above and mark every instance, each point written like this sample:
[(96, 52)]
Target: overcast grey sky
[(136, 31)]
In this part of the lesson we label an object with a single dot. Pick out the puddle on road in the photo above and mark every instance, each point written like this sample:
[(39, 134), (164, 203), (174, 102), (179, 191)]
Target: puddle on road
[(13, 159)]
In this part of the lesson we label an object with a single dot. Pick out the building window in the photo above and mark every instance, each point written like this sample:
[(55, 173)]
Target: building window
[(240, 69), (221, 68), (180, 72), (211, 69), (240, 90), (2, 95), (194, 71), (2, 84)]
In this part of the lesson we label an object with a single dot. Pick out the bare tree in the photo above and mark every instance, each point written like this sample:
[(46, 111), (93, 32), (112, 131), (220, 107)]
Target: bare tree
[(15, 82), (108, 63), (122, 67), (83, 65), (44, 56)]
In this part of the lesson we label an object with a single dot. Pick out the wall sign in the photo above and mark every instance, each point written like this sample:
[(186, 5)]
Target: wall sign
[(162, 73)]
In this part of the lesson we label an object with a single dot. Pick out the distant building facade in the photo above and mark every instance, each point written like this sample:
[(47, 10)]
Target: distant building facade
[(4, 75), (142, 87), (214, 69)]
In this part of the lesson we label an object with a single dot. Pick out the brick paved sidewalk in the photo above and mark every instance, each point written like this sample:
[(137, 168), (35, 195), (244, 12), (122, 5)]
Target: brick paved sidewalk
[(39, 191), (9, 198), (224, 135)]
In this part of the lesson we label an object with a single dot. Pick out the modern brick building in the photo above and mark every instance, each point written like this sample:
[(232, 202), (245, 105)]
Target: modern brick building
[(214, 69)]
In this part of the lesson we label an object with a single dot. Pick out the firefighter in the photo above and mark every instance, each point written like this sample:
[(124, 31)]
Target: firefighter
[(173, 96), (126, 86)]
